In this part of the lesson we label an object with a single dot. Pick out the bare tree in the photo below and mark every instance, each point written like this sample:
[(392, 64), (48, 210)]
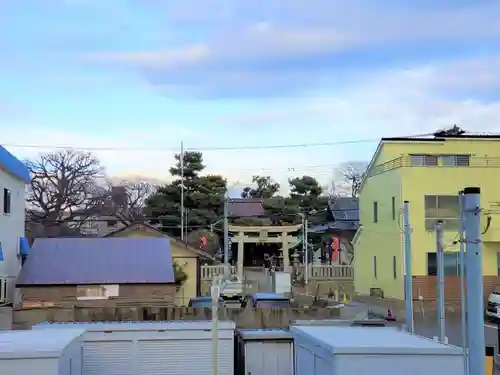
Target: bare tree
[(348, 178), (129, 198), (63, 185)]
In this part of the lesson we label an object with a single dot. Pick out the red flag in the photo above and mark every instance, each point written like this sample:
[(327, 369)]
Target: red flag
[(335, 246), (203, 241)]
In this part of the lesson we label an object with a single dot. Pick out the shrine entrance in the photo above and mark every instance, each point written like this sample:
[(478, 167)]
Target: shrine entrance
[(253, 242)]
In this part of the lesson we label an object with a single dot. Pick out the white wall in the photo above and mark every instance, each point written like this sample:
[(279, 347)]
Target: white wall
[(11, 225)]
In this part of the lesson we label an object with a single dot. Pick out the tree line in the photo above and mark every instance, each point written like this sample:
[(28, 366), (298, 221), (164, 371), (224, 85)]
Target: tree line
[(69, 187)]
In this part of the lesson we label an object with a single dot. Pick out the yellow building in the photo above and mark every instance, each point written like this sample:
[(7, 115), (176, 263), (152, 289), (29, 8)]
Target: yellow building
[(185, 256), (428, 173)]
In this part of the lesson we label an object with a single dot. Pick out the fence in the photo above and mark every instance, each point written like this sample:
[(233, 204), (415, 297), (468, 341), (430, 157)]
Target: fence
[(208, 272), (244, 318), (321, 271), (316, 271)]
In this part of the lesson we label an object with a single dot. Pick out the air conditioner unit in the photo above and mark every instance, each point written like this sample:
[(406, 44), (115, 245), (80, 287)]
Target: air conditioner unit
[(3, 290)]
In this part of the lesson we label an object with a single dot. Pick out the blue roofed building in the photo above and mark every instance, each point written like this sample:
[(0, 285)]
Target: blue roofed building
[(65, 269), (344, 214), (14, 176)]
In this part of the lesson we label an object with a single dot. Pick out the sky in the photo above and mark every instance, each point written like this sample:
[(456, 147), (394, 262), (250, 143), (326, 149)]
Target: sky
[(129, 80)]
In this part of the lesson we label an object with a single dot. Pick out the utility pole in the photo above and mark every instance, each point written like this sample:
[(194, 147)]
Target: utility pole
[(408, 273), (306, 252), (463, 318), (181, 163), (226, 232), (474, 280), (440, 278)]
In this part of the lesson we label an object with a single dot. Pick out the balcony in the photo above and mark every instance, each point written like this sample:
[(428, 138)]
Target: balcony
[(435, 161)]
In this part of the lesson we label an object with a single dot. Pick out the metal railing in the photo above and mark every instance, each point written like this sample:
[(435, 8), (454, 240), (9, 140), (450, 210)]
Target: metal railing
[(436, 161)]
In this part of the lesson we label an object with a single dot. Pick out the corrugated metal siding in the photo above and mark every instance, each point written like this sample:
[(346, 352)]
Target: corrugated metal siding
[(108, 358), (191, 357)]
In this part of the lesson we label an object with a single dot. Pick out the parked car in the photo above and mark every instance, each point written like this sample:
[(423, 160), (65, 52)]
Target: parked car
[(202, 302), (266, 300), (493, 307)]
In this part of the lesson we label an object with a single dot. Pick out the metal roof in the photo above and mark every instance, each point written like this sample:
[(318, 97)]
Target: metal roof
[(70, 261), (13, 165), (264, 334), (246, 207), (36, 343), (137, 326), (370, 340)]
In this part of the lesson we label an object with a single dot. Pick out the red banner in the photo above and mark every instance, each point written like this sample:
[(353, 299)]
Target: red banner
[(335, 248)]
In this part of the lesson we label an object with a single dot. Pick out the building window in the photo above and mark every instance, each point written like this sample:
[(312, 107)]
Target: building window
[(498, 264), (455, 160), (394, 268), (375, 267), (421, 160), (84, 292), (441, 207), (112, 223), (393, 208), (375, 212), (6, 201), (451, 264)]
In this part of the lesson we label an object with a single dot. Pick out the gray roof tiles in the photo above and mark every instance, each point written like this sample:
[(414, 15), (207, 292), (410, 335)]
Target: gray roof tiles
[(59, 261)]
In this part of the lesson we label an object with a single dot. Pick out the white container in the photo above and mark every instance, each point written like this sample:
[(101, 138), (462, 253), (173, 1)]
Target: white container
[(282, 283), (41, 352), (341, 350), (143, 348), (264, 352)]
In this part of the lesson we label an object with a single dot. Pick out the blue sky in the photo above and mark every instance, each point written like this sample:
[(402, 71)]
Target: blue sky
[(150, 73)]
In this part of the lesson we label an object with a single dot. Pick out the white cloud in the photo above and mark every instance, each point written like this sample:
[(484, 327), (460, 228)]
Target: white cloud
[(392, 103)]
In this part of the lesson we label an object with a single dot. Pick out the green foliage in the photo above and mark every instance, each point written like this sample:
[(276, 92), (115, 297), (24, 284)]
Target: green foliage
[(193, 238), (265, 187), (203, 197), (179, 275)]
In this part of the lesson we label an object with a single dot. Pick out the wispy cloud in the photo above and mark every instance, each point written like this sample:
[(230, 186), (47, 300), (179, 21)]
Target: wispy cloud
[(278, 47)]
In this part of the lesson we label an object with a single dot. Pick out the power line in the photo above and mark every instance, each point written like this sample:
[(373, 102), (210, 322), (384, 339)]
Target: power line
[(215, 148), (221, 148)]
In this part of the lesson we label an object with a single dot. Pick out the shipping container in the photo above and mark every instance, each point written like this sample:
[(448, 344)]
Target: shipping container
[(264, 352), (343, 349), (41, 352), (143, 348)]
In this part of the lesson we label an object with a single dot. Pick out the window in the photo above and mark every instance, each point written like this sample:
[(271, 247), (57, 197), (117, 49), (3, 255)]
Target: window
[(6, 201), (375, 266), (375, 212), (112, 223), (84, 292), (498, 264), (421, 160), (394, 268), (441, 207), (393, 208), (455, 160), (451, 264)]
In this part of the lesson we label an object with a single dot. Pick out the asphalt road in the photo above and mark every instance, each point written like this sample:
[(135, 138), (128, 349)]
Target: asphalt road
[(428, 326)]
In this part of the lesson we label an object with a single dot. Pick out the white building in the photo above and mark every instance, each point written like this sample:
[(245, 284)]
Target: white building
[(14, 176)]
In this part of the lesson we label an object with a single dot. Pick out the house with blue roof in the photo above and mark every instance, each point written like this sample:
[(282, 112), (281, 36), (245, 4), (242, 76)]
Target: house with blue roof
[(14, 175), (72, 269)]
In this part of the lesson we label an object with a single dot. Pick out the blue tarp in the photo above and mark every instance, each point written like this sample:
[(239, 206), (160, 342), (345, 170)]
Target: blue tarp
[(24, 246)]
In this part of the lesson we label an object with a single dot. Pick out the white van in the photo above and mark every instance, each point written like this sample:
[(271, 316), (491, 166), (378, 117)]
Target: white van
[(493, 307)]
